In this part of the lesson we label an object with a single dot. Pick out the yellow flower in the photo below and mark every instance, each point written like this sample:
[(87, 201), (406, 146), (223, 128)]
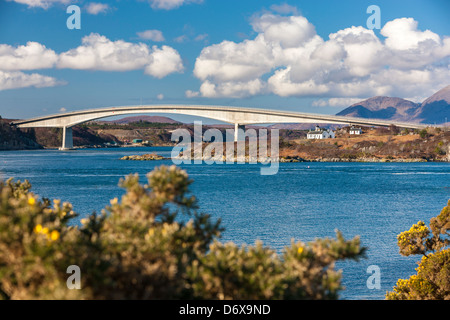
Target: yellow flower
[(54, 235), (151, 232), (300, 250), (31, 201), (84, 221), (114, 201), (38, 229), (45, 230)]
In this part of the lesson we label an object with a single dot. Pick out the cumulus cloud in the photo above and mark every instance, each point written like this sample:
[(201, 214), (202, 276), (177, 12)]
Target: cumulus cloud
[(402, 34), (170, 4), (95, 8), (95, 53), (18, 79), (288, 58), (153, 35), (164, 61), (100, 53), (31, 56)]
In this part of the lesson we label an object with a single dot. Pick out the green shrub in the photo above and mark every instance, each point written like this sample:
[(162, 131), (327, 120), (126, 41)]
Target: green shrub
[(139, 248), (423, 133), (432, 281)]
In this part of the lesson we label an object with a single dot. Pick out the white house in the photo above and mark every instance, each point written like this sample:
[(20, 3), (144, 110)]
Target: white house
[(319, 133), (355, 130)]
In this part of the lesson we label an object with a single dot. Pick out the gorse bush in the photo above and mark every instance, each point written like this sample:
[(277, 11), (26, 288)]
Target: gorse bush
[(141, 248), (432, 281)]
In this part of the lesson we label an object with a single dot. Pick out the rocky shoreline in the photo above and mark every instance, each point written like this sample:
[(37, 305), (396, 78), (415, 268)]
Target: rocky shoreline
[(298, 159), (282, 159), (288, 159), (145, 157)]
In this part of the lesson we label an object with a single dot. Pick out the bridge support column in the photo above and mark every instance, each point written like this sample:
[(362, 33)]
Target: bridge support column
[(67, 141), (239, 132)]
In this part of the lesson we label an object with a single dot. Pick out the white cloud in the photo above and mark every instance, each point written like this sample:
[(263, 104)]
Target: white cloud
[(164, 62), (17, 79), (284, 8), (336, 102), (45, 4), (402, 34), (155, 4), (288, 32), (96, 53), (201, 37), (288, 58), (99, 53), (96, 8), (31, 56), (170, 4), (232, 89), (154, 35), (191, 94), (181, 39)]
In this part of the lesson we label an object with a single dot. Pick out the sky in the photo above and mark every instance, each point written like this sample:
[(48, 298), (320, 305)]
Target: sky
[(306, 56)]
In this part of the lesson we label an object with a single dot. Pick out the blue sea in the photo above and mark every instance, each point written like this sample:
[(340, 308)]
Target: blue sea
[(303, 201)]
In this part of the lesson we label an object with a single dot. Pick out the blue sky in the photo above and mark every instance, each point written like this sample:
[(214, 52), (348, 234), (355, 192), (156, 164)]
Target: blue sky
[(307, 56)]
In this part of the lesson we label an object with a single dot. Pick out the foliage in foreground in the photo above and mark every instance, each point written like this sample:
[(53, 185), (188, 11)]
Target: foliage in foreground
[(432, 281), (152, 244)]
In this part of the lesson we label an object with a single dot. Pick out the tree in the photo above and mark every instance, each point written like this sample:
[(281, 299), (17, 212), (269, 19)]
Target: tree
[(139, 248), (432, 281)]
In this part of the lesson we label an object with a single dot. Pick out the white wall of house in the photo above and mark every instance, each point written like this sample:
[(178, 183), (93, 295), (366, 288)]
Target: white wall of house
[(355, 131), (321, 134)]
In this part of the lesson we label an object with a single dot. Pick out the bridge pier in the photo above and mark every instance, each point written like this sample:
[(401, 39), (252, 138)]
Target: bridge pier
[(67, 141), (239, 132)]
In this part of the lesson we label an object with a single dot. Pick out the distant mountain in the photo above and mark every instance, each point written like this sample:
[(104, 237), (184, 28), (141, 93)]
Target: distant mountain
[(435, 109), (382, 108), (157, 119)]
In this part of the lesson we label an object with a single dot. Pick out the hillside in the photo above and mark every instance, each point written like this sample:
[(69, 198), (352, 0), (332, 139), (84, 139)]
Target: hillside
[(14, 139), (374, 145), (434, 109)]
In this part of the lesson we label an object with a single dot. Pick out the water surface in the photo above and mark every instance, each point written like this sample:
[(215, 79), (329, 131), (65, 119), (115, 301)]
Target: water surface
[(303, 201)]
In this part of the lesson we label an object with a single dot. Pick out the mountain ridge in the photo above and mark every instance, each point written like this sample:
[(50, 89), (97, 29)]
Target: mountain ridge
[(434, 109)]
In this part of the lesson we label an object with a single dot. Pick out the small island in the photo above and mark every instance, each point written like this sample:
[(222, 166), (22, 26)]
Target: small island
[(145, 157)]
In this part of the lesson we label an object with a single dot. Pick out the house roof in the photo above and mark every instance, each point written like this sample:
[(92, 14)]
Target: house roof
[(319, 131)]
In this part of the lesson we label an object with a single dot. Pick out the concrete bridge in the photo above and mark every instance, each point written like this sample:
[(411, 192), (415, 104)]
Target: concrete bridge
[(233, 115)]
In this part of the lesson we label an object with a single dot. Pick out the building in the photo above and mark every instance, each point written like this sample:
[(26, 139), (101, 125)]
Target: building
[(137, 140), (319, 133), (355, 130)]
